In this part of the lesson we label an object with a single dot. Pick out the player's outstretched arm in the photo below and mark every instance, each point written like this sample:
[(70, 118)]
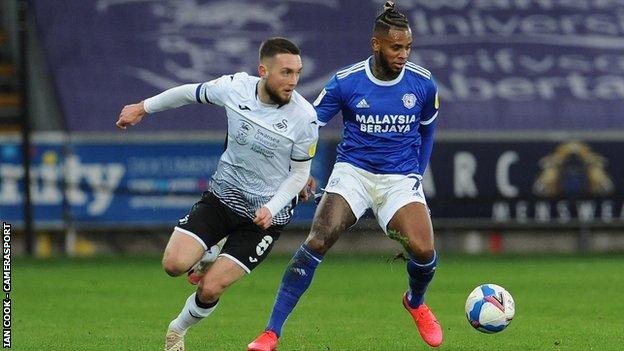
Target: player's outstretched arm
[(130, 115), (169, 99)]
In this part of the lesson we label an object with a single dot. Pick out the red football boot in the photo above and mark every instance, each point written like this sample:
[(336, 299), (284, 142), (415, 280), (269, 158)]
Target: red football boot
[(428, 326), (267, 341)]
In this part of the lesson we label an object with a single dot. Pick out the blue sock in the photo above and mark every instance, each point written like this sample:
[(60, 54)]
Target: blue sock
[(295, 282), (420, 274)]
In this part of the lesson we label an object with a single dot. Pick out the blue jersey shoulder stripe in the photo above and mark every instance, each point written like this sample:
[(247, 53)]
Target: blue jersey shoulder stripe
[(345, 75), (413, 65), (418, 72), (419, 68), (353, 66)]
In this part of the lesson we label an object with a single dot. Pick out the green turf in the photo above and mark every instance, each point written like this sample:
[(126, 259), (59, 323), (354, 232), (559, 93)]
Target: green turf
[(563, 303)]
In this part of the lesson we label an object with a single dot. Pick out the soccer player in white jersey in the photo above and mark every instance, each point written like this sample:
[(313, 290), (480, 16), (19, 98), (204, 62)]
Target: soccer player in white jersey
[(389, 108), (271, 139)]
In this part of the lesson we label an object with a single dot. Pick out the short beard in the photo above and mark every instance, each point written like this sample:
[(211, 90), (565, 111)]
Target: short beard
[(274, 96), (386, 70)]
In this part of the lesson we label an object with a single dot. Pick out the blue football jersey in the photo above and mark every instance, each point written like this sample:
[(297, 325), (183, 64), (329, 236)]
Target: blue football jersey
[(381, 118)]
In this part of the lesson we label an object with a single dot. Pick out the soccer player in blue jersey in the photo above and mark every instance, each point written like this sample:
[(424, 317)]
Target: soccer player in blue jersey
[(389, 108)]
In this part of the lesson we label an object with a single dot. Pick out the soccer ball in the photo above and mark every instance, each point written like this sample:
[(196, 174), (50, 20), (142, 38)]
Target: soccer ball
[(490, 308)]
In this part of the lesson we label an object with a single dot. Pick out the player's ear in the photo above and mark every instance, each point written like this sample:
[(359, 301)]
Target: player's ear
[(375, 44), (262, 71)]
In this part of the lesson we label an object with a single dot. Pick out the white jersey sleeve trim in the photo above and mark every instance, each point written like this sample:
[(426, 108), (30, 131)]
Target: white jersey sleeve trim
[(430, 119), (290, 187), (172, 98)]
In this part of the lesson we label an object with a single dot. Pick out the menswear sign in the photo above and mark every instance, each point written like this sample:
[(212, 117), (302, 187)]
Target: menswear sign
[(526, 182)]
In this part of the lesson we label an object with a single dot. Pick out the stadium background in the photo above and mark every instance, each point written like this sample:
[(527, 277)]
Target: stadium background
[(528, 157), (529, 136)]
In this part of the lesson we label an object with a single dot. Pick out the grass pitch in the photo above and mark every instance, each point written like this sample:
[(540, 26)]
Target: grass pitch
[(354, 303)]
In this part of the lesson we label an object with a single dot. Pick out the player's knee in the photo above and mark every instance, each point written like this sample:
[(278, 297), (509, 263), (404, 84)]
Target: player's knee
[(318, 245), (172, 267), (421, 253), (210, 292), (322, 237)]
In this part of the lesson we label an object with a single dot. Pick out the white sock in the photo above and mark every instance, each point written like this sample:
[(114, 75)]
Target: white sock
[(190, 315)]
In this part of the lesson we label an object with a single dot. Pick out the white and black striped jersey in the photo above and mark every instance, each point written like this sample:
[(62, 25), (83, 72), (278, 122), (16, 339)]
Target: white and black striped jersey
[(261, 141)]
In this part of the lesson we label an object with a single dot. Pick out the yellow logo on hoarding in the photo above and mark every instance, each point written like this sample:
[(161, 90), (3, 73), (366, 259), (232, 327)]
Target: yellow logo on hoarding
[(573, 168)]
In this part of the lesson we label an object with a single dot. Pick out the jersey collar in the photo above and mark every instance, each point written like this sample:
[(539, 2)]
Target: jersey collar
[(373, 79)]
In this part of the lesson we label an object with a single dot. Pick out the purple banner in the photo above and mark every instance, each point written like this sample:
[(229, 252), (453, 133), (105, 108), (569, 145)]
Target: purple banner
[(513, 65)]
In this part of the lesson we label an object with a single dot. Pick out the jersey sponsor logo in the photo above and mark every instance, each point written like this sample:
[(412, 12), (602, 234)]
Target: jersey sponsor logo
[(281, 126), (265, 143), (409, 100), (242, 134), (385, 123), (362, 104)]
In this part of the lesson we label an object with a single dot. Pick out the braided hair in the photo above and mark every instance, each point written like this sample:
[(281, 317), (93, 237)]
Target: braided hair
[(389, 18)]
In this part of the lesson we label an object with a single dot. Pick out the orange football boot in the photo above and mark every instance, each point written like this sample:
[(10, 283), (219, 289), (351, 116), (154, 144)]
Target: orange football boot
[(267, 341), (428, 326)]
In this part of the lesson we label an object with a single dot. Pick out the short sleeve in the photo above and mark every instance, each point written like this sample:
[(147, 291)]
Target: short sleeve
[(215, 91), (329, 102), (432, 104), (305, 147)]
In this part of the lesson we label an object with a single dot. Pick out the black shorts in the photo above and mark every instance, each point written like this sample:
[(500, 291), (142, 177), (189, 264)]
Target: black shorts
[(210, 220)]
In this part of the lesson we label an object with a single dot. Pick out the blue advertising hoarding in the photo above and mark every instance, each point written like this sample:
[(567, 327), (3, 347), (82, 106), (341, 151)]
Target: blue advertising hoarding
[(469, 183), (125, 183)]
